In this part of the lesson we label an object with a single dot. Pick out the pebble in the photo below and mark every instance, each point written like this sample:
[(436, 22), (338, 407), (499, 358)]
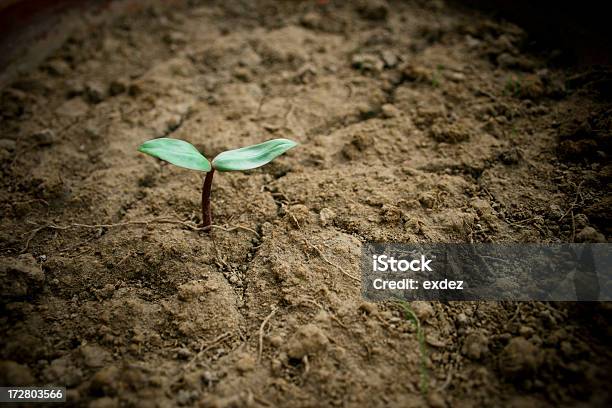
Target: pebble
[(367, 62), (390, 111), (389, 58)]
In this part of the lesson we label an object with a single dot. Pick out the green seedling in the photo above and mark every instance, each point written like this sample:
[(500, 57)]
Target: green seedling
[(184, 154), (411, 316)]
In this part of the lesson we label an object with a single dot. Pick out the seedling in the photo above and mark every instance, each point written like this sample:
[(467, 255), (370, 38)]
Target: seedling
[(184, 154)]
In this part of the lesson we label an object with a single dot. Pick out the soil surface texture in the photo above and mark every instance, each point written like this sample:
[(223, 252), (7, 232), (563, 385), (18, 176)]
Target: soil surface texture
[(417, 122)]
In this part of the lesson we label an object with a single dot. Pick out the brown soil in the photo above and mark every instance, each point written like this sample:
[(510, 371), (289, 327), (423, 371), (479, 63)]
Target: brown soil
[(417, 123)]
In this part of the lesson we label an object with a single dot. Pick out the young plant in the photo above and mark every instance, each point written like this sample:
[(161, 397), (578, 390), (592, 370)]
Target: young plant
[(183, 154)]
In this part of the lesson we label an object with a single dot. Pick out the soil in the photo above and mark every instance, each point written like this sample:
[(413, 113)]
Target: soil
[(417, 122)]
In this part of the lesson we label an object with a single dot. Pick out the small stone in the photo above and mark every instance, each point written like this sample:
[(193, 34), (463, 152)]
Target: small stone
[(326, 216), (423, 310), (367, 62), (95, 92), (590, 234), (8, 144), (242, 74), (175, 37), (390, 111), (45, 137), (475, 346), (454, 76), (389, 58), (307, 340)]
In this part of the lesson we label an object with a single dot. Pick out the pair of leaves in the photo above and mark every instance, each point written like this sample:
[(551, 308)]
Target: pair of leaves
[(184, 154)]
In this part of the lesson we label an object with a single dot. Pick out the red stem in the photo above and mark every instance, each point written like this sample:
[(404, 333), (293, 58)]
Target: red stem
[(206, 188)]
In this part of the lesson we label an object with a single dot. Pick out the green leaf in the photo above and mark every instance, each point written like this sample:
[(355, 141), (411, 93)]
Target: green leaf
[(177, 152), (251, 157)]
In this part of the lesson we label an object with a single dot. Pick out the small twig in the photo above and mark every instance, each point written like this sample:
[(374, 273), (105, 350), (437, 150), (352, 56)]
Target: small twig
[(573, 205), (261, 333), (329, 262), (208, 347), (306, 364), (446, 382), (127, 223)]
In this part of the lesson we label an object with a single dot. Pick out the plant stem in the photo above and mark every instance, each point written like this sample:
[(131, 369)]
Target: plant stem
[(206, 212)]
